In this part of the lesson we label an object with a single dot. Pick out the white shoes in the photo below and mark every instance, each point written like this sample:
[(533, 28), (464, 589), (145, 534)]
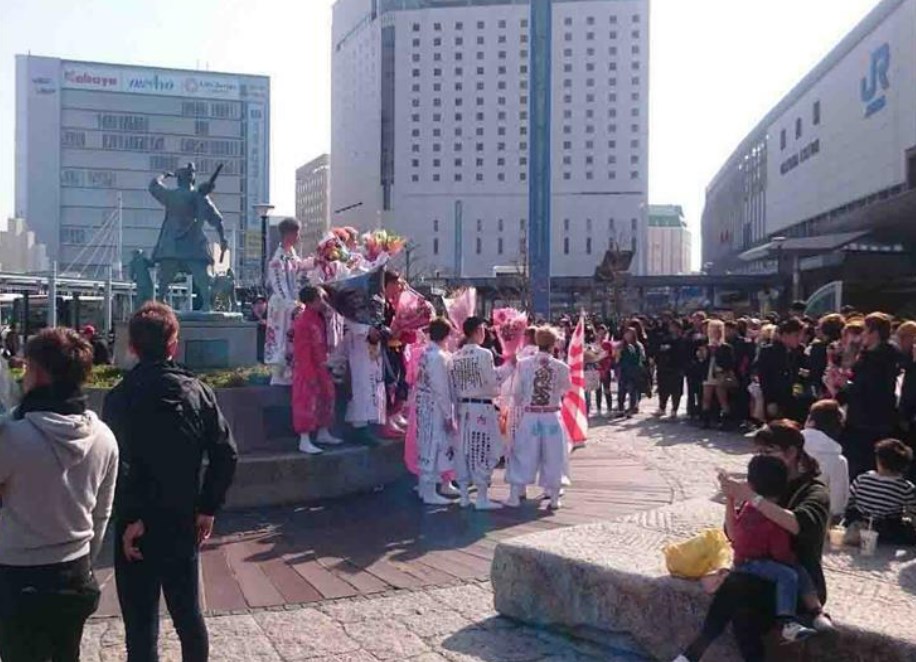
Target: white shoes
[(681, 658), (516, 494), (485, 504), (449, 490), (306, 446), (432, 498), (325, 438), (793, 631)]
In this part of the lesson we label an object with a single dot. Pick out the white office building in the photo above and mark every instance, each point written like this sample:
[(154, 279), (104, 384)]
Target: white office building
[(312, 198), (432, 135), (823, 189), (669, 241), (90, 137)]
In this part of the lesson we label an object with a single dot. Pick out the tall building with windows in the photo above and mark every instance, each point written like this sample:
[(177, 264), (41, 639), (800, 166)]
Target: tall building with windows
[(669, 241), (432, 133), (90, 137), (823, 188), (312, 193)]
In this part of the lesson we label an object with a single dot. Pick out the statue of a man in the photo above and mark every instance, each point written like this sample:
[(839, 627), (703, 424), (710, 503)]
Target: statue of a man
[(183, 245), (140, 266)]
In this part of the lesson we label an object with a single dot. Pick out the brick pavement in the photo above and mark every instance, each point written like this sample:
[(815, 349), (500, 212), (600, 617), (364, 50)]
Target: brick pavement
[(315, 582)]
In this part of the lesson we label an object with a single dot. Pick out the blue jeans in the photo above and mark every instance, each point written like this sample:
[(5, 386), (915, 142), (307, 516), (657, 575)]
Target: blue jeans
[(791, 582)]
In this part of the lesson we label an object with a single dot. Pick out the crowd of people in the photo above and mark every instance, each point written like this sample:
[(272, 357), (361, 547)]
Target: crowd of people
[(830, 403)]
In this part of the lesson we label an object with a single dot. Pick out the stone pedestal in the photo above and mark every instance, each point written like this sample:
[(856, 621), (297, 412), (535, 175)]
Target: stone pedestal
[(207, 341)]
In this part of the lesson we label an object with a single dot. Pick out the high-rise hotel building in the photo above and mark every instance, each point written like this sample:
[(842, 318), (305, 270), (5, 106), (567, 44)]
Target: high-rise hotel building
[(432, 133)]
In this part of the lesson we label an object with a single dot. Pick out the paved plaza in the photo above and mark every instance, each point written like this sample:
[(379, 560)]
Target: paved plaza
[(380, 577)]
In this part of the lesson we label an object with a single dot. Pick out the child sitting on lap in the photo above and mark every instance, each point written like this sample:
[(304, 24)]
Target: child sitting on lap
[(884, 497), (764, 549)]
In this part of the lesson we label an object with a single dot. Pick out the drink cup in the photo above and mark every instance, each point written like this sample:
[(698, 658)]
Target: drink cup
[(837, 533), (868, 542)]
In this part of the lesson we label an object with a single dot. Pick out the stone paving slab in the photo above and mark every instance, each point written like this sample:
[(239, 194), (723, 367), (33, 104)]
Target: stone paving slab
[(455, 624)]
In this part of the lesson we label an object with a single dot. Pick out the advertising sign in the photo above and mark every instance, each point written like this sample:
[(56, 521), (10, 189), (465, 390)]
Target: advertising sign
[(75, 75)]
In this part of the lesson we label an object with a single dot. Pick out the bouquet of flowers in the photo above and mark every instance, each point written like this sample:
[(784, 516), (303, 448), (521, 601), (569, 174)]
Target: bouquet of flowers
[(380, 242), (412, 314), (510, 325), (333, 249)]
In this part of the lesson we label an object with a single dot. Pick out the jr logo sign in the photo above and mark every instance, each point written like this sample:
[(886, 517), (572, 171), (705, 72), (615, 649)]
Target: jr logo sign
[(876, 83)]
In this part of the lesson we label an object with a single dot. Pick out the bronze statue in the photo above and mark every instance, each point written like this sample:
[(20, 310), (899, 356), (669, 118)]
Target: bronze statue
[(183, 245), (140, 266)]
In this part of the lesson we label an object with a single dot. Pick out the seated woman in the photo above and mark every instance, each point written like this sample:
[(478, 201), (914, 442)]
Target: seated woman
[(823, 428), (746, 601), (720, 378)]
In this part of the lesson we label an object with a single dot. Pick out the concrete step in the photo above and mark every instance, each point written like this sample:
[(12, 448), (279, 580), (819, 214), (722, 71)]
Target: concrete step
[(611, 577), (280, 478)]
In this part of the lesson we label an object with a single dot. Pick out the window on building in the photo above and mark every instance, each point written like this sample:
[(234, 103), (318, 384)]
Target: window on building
[(458, 177), (499, 246), (416, 27), (502, 24), (480, 25), (479, 245), (566, 245), (415, 148), (522, 177), (501, 177), (588, 245), (567, 144), (416, 43), (567, 52), (567, 176), (415, 133), (415, 163), (798, 128), (435, 225), (436, 177), (435, 246), (437, 27), (816, 119), (459, 25), (437, 42), (634, 174), (635, 34), (415, 178)]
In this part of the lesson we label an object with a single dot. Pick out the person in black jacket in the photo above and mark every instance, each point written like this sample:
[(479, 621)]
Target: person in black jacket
[(696, 336), (781, 370), (870, 396), (671, 359), (745, 353), (166, 421), (906, 345), (829, 331)]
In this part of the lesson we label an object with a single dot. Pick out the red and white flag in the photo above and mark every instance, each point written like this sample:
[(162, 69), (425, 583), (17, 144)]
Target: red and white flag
[(575, 416)]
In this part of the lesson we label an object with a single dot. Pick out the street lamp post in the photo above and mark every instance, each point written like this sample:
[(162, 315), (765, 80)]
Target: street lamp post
[(263, 210)]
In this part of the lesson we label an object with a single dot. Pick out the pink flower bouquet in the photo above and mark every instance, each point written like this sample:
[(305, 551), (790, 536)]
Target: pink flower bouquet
[(510, 325), (413, 313)]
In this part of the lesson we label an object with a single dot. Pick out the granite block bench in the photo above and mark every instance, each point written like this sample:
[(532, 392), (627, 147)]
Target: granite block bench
[(597, 579)]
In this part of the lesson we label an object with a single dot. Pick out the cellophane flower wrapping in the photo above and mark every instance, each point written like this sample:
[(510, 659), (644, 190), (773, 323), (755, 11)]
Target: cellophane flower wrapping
[(510, 325), (413, 313), (461, 305)]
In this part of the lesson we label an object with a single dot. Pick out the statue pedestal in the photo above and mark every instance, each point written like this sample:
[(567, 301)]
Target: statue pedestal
[(207, 341)]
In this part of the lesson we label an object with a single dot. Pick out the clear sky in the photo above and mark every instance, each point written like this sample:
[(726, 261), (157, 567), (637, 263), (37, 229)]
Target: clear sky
[(717, 67)]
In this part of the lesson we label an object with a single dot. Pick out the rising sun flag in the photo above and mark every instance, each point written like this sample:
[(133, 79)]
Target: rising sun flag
[(575, 417)]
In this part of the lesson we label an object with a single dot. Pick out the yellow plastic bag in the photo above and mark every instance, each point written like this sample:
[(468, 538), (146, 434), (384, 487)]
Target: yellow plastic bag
[(707, 552)]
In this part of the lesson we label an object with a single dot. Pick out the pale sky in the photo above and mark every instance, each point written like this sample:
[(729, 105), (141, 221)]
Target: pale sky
[(717, 67)]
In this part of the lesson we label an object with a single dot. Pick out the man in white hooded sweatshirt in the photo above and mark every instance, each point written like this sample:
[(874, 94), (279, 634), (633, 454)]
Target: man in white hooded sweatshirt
[(58, 467)]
